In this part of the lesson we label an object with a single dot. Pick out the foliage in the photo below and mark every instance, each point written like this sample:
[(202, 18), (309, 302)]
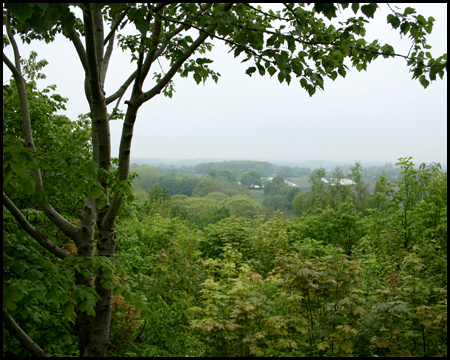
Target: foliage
[(241, 206), (251, 179), (335, 190), (336, 227), (242, 315)]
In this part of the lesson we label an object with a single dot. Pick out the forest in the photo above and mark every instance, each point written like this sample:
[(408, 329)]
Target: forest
[(102, 257), (205, 271)]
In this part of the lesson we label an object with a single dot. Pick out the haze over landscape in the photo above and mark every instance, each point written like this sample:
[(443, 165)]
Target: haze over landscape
[(378, 115)]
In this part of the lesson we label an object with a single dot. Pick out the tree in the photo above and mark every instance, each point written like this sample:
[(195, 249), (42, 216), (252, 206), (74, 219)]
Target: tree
[(251, 179), (147, 176), (360, 193), (315, 50)]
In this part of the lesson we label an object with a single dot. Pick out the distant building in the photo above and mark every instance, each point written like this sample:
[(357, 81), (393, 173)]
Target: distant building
[(342, 181), (285, 181)]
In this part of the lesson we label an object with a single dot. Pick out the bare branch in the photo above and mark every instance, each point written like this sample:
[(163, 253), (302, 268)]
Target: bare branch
[(73, 36), (122, 89), (107, 57), (11, 66), (12, 41), (145, 68), (23, 338), (35, 233), (113, 113)]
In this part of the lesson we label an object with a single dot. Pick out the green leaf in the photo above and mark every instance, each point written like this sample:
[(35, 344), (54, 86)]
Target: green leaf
[(20, 10), (68, 311), (9, 304), (90, 168), (408, 11), (360, 67), (29, 186), (197, 78), (107, 284), (142, 26), (202, 61), (360, 311), (84, 305), (423, 81), (355, 7), (261, 69), (328, 9), (15, 295), (250, 70), (393, 20), (369, 10), (96, 191), (19, 268), (20, 170), (280, 61), (271, 70), (108, 274)]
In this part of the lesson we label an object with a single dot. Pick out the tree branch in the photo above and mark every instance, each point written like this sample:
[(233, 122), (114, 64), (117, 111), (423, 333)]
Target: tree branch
[(35, 233), (92, 60), (164, 81), (23, 338), (145, 68), (11, 66), (97, 27), (116, 25), (149, 59), (266, 14), (122, 89), (73, 36), (107, 57), (51, 213), (13, 42)]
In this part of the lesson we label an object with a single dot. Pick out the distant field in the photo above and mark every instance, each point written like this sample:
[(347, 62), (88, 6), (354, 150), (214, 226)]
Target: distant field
[(303, 182), (257, 195)]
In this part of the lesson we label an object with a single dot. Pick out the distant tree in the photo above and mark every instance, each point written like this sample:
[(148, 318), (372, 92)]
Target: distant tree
[(241, 205), (204, 187), (219, 196), (277, 202), (299, 203), (317, 197), (147, 176), (251, 179), (359, 189)]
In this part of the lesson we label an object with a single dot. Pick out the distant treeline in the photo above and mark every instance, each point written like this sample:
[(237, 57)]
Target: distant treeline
[(268, 169), (264, 167)]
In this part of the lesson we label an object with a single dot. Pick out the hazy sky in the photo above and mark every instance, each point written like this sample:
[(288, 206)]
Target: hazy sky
[(381, 114)]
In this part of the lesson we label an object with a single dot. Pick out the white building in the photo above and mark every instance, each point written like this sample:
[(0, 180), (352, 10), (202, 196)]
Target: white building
[(285, 181), (342, 181)]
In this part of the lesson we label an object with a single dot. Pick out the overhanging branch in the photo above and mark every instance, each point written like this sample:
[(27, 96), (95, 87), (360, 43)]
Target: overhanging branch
[(35, 233), (23, 338)]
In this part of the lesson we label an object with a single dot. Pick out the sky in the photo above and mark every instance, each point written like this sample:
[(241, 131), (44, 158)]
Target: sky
[(378, 115)]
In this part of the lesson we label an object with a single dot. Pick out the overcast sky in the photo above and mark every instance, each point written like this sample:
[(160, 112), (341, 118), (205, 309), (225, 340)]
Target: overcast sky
[(381, 114)]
